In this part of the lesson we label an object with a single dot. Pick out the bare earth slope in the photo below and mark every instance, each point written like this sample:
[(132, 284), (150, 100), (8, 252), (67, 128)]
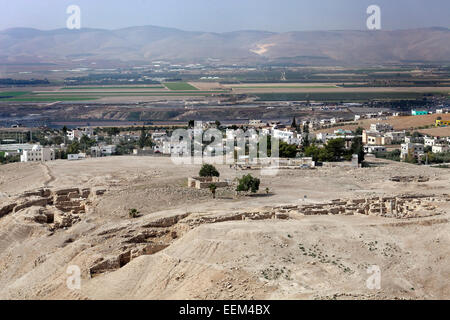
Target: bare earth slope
[(309, 239)]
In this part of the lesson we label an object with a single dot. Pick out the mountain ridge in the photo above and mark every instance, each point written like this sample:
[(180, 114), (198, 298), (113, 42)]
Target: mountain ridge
[(142, 43)]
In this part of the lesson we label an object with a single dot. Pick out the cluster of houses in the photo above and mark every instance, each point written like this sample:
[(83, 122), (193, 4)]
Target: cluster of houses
[(382, 135), (38, 153), (164, 144)]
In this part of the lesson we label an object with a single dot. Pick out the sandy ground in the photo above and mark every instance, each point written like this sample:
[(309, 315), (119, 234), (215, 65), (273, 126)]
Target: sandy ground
[(209, 255)]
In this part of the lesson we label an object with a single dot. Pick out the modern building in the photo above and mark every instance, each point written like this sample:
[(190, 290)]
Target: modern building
[(286, 135), (76, 134), (256, 123), (416, 149), (38, 154), (103, 151), (396, 135), (374, 138), (442, 123), (374, 149), (381, 127), (440, 148), (419, 112)]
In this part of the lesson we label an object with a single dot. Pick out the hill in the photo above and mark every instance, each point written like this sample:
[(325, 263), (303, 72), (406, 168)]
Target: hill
[(149, 43)]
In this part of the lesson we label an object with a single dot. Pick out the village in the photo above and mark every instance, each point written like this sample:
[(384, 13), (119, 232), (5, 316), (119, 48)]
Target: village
[(368, 135)]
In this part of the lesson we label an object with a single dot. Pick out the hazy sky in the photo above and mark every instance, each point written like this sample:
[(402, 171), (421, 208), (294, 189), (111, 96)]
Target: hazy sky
[(226, 15)]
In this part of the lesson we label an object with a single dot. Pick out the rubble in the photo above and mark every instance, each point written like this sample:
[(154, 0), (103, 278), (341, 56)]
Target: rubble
[(59, 208)]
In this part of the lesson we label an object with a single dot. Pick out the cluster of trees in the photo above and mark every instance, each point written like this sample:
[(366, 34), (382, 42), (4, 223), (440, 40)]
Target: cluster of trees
[(438, 157), (8, 159), (335, 150), (248, 183), (15, 82), (245, 184), (391, 155)]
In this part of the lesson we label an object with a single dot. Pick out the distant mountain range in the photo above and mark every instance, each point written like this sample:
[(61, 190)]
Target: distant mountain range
[(150, 43)]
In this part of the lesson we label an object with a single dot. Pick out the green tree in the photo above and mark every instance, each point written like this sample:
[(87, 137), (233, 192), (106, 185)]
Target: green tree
[(208, 170), (86, 142), (142, 138), (64, 130), (305, 142), (410, 158), (287, 150), (247, 183), (213, 188), (359, 131), (358, 148), (306, 128), (336, 148), (73, 148), (294, 124)]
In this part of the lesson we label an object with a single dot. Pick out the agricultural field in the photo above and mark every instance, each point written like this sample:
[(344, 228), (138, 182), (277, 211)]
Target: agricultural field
[(179, 86), (12, 94), (114, 87), (85, 93), (342, 96)]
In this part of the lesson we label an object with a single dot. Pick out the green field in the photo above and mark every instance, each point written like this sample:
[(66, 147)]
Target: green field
[(177, 86), (32, 98), (122, 87), (285, 87), (13, 93), (124, 93)]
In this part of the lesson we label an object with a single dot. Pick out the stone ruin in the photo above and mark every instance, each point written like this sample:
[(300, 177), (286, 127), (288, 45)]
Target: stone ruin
[(205, 182), (409, 179), (128, 242), (403, 206), (59, 208)]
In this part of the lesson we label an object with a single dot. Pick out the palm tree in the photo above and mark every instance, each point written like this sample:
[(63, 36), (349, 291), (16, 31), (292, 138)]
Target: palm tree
[(213, 188)]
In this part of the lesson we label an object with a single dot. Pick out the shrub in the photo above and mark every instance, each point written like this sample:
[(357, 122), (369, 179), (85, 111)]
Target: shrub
[(133, 213), (247, 183), (213, 187), (208, 170)]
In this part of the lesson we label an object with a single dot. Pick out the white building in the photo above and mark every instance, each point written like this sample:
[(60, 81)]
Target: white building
[(256, 123), (38, 154), (440, 148), (417, 149), (72, 157), (380, 127), (180, 148), (76, 134), (159, 136), (103, 151), (287, 136), (396, 135), (430, 141), (374, 149)]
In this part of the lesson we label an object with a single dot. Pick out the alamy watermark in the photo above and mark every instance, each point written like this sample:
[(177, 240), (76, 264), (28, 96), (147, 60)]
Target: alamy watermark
[(234, 147), (74, 20), (374, 20), (374, 280), (73, 282)]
